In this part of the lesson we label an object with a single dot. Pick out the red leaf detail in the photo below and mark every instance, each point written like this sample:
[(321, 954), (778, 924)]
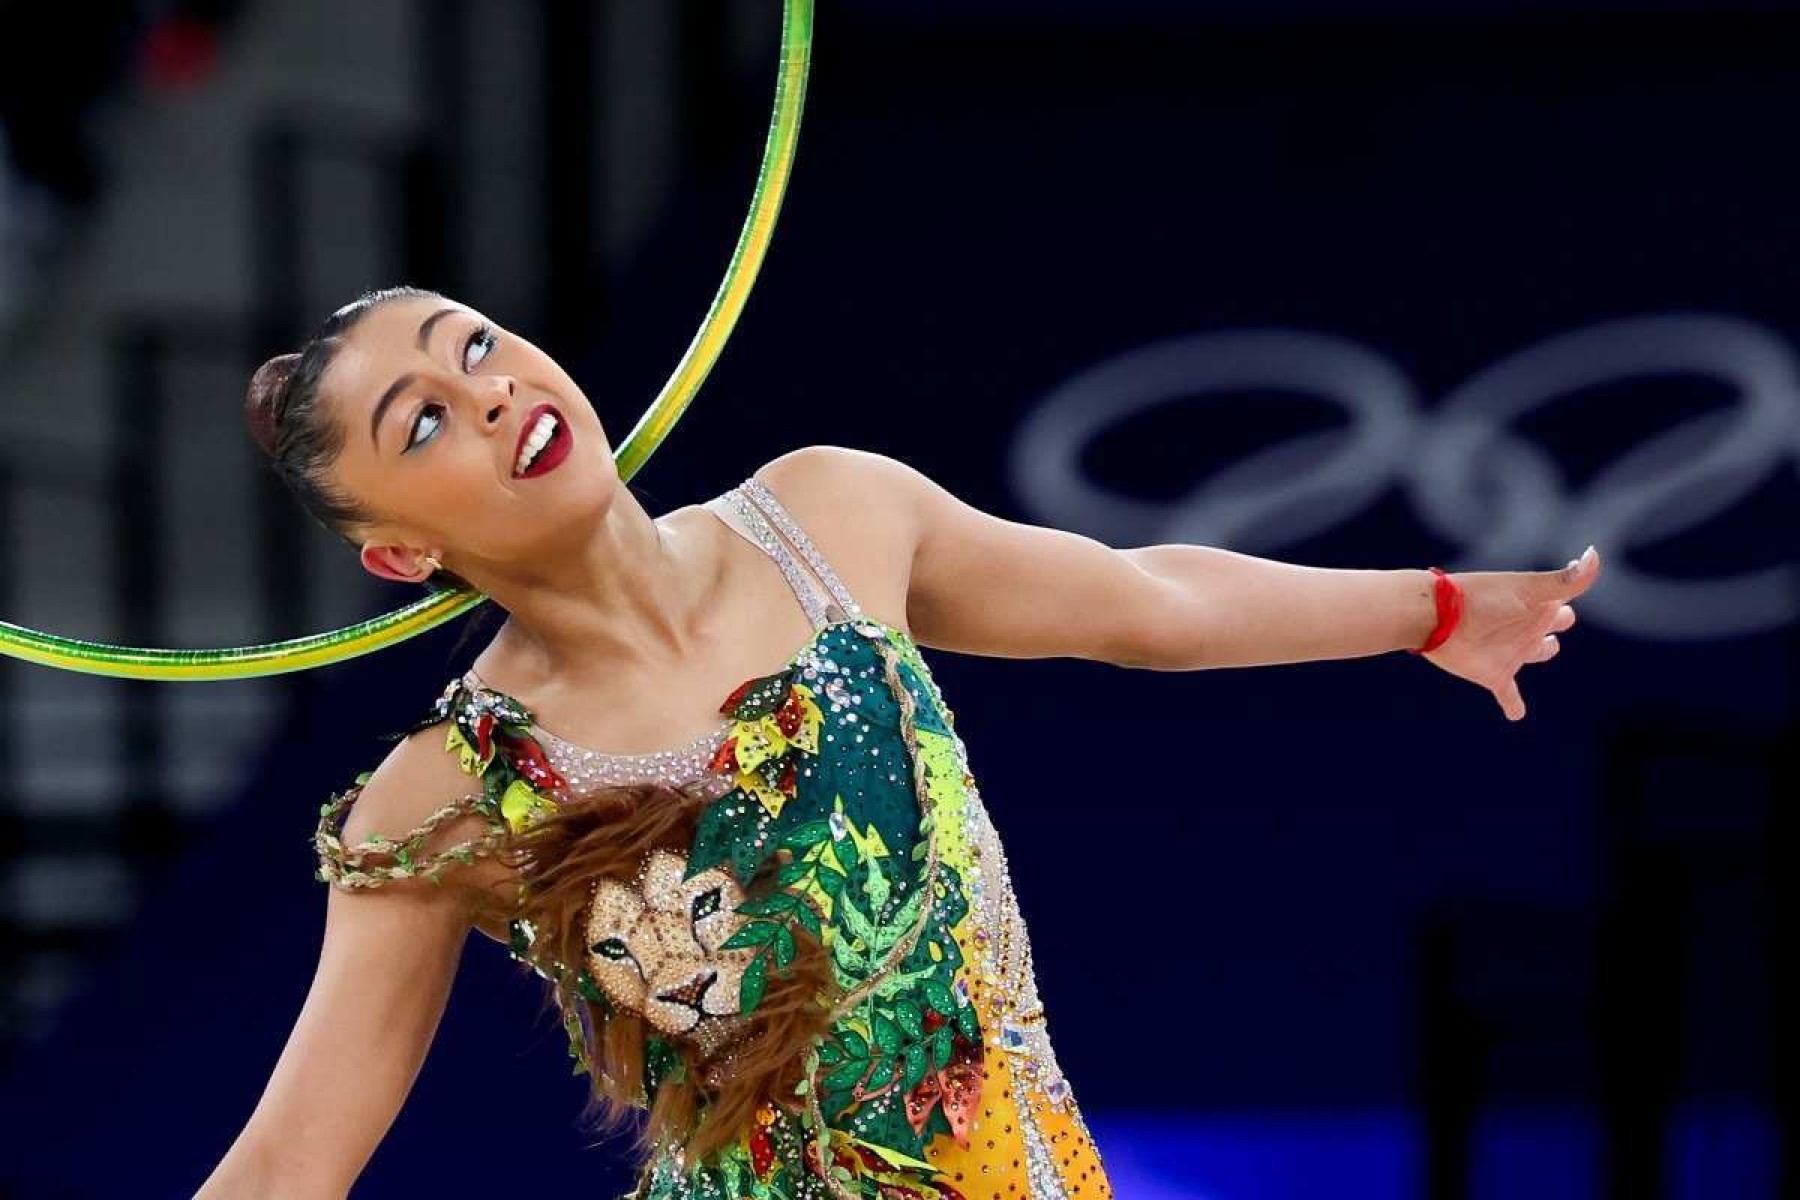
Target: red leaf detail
[(737, 696), (527, 758), (725, 757), (762, 1153), (786, 784), (790, 716), (921, 1100), (960, 1094)]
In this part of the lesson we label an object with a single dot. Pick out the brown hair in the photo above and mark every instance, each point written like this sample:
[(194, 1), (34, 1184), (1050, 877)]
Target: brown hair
[(609, 834), (299, 438)]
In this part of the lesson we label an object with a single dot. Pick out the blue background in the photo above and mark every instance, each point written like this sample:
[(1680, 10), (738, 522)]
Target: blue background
[(1330, 929)]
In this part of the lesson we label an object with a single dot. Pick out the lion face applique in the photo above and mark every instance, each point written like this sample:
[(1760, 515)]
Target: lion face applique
[(655, 948)]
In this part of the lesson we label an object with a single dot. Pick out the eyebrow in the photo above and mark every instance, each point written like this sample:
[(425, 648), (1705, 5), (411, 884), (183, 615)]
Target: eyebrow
[(399, 385)]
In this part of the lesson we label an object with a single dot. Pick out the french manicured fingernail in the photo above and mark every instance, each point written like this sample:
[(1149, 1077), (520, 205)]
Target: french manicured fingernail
[(1588, 554)]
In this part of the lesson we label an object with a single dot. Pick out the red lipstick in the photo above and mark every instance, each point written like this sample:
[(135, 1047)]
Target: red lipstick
[(553, 452)]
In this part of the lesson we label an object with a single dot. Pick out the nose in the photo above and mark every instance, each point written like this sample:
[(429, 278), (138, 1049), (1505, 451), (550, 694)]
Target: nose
[(496, 393)]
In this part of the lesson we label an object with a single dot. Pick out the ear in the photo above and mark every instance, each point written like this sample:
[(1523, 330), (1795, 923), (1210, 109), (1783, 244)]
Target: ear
[(395, 562)]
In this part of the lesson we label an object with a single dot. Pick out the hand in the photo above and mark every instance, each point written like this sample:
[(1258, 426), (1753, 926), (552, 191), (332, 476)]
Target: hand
[(1511, 618)]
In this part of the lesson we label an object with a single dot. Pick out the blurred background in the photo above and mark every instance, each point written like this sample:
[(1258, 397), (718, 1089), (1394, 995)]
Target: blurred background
[(1342, 282)]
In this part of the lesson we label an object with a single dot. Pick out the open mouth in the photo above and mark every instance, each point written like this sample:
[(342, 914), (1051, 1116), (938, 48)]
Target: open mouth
[(544, 442)]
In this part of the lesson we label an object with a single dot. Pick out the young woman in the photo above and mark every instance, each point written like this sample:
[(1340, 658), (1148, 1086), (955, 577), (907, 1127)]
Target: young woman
[(772, 911)]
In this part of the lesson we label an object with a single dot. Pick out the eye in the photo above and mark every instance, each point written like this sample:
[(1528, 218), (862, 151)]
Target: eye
[(705, 904), (482, 339), (426, 424), (612, 948)]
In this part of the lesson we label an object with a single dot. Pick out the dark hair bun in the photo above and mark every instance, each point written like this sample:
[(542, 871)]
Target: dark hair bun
[(263, 397)]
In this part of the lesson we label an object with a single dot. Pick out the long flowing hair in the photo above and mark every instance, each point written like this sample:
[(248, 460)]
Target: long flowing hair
[(609, 834)]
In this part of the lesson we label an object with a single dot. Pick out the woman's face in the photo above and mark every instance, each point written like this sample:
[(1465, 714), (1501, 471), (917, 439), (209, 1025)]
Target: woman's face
[(464, 441)]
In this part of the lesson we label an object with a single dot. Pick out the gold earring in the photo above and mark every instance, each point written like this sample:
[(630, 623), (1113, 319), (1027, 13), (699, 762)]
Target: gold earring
[(435, 564)]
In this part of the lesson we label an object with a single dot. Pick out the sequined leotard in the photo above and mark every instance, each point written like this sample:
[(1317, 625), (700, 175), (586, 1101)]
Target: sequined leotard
[(842, 771)]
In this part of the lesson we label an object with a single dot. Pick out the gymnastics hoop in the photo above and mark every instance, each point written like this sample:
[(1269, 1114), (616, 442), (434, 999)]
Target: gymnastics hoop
[(352, 641)]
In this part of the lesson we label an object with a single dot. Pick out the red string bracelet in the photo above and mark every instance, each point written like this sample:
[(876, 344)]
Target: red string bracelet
[(1448, 594)]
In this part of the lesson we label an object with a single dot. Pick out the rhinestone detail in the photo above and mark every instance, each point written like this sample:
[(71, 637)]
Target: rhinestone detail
[(588, 770), (765, 501), (1015, 1014), (772, 545), (999, 950)]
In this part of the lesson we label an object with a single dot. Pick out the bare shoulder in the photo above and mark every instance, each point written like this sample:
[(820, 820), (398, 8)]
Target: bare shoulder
[(852, 493), (863, 511), (417, 777), (821, 461)]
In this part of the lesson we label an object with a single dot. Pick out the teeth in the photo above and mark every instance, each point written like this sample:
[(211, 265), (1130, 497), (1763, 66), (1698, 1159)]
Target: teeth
[(540, 436)]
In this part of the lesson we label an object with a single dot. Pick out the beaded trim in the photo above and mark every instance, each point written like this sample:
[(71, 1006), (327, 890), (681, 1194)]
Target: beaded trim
[(765, 500), (589, 770), (765, 536)]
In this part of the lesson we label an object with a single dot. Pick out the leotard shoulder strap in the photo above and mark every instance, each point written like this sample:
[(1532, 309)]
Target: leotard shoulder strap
[(753, 512)]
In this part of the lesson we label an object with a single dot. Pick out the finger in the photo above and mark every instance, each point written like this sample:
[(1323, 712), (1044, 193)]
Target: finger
[(1563, 621), (1511, 703), (1577, 577), (1546, 649)]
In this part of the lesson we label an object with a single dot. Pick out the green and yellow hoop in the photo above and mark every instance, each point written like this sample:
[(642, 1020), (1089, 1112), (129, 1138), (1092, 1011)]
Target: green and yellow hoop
[(319, 649)]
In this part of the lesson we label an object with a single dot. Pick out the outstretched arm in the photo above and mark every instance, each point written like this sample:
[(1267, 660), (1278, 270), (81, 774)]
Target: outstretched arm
[(379, 991), (383, 977), (990, 586)]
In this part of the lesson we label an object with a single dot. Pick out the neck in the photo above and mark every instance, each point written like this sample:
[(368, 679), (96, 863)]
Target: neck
[(636, 591)]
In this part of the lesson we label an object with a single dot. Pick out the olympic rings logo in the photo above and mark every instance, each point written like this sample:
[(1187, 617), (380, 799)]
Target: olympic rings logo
[(1467, 471)]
